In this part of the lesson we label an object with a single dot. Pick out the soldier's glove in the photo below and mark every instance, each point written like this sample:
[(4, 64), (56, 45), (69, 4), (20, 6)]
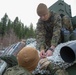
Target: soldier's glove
[(44, 63)]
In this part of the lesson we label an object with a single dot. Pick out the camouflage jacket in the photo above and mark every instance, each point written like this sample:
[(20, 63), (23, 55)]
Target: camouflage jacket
[(48, 32), (17, 70), (56, 70)]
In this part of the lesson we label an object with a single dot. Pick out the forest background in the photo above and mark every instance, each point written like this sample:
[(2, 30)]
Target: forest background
[(13, 32)]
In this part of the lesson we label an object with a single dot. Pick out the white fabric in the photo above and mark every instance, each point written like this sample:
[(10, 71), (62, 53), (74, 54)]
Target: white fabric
[(56, 58)]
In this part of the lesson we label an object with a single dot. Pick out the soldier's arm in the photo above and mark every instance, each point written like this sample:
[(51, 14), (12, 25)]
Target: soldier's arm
[(40, 33), (56, 30)]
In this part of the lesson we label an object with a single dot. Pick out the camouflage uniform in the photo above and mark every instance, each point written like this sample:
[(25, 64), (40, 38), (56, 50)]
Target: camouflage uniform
[(66, 26), (17, 70), (56, 70), (66, 23), (48, 32)]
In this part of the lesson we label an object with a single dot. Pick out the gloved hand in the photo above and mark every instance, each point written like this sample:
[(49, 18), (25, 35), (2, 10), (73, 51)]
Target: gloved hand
[(44, 63)]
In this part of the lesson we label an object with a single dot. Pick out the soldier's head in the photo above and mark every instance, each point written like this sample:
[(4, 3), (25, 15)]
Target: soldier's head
[(43, 12), (28, 58)]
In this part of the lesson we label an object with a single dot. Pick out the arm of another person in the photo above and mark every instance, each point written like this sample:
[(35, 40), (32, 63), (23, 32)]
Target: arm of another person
[(40, 36), (56, 31), (56, 34)]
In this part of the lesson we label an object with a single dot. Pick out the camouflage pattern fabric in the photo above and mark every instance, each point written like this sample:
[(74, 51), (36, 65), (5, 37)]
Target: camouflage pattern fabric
[(16, 70), (61, 72), (56, 70), (66, 23), (48, 32)]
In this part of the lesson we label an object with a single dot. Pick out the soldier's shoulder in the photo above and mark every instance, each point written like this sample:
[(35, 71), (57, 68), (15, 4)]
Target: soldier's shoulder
[(55, 14)]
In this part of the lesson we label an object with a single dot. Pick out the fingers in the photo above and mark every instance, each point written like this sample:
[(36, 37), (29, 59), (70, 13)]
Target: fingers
[(42, 61), (45, 64), (49, 53), (42, 54)]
